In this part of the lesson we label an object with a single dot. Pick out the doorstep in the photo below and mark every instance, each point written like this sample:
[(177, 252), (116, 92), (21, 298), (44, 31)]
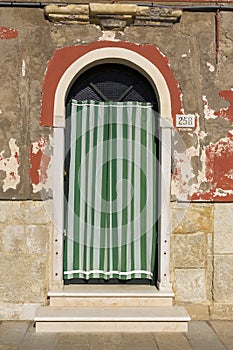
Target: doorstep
[(112, 319)]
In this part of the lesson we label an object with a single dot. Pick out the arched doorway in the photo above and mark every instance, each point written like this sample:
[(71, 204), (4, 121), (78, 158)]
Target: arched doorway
[(63, 69), (111, 201)]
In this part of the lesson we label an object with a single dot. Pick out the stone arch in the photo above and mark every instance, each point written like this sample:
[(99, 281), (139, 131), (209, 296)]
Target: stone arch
[(67, 62)]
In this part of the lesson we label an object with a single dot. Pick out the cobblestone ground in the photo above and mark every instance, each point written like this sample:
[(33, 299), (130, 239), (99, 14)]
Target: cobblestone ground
[(202, 335)]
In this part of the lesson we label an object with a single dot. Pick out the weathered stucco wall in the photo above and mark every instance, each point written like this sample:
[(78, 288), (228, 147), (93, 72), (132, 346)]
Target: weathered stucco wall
[(202, 157), (23, 63), (202, 249)]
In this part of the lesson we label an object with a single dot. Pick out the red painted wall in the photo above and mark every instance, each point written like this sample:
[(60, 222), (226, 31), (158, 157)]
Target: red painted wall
[(64, 57)]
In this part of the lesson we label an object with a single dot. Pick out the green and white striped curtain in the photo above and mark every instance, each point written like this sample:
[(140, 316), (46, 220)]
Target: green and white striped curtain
[(111, 206)]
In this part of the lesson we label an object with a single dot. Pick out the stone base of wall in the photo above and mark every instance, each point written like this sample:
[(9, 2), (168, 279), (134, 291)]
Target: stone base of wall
[(197, 311), (202, 259), (214, 311), (18, 312), (221, 311), (25, 257)]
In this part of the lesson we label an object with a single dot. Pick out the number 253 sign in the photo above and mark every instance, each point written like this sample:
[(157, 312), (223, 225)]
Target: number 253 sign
[(185, 121)]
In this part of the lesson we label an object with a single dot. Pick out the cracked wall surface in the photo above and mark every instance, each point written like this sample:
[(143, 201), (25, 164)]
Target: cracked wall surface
[(203, 158), (199, 153)]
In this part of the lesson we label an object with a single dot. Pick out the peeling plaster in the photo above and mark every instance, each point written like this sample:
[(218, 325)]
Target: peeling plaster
[(8, 33), (208, 111), (40, 164), (185, 181), (219, 166), (211, 67), (23, 68), (212, 178), (193, 178), (108, 35), (10, 166), (226, 113)]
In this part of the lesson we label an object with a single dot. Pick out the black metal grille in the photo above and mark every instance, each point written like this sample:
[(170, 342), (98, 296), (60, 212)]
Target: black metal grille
[(112, 82)]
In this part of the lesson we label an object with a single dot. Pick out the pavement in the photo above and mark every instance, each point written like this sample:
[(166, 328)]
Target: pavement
[(202, 335)]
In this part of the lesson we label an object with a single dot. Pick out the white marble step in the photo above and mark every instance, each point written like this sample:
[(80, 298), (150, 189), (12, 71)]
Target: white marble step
[(110, 290), (48, 313), (107, 319), (110, 295)]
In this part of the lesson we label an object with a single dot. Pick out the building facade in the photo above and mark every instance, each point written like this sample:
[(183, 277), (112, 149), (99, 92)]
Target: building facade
[(51, 53)]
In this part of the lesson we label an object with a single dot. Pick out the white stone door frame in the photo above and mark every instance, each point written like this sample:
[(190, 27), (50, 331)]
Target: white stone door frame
[(151, 72)]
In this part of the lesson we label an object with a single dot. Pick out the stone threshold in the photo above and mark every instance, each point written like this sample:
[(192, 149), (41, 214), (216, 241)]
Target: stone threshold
[(110, 291)]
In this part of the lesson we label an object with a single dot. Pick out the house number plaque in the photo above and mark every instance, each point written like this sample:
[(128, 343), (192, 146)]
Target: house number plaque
[(185, 120)]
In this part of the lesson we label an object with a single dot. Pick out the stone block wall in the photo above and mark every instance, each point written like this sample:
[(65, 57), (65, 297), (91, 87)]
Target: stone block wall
[(223, 262), (25, 246), (202, 258)]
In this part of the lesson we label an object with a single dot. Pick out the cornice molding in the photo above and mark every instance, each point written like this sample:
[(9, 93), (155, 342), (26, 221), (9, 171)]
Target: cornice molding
[(113, 16)]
